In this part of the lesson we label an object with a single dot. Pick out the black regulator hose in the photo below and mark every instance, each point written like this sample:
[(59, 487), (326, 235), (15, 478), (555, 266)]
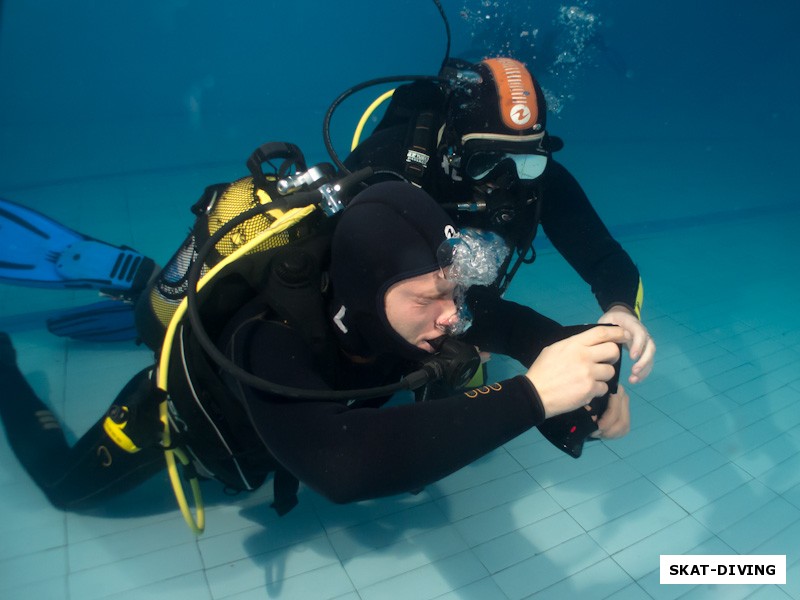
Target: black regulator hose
[(447, 30), (326, 124)]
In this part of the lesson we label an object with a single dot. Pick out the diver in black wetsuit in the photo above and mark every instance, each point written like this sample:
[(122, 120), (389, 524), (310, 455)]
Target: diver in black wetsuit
[(479, 146), (395, 273)]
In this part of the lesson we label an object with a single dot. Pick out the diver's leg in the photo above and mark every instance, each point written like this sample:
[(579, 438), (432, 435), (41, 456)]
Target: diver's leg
[(33, 432), (97, 467)]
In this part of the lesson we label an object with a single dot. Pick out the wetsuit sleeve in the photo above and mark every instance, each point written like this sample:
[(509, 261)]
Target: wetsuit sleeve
[(490, 330), (351, 454), (355, 453), (578, 233)]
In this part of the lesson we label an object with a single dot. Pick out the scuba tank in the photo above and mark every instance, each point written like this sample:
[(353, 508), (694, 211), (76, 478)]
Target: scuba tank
[(218, 205)]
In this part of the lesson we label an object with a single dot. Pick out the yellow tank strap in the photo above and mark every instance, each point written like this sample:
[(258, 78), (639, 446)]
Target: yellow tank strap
[(284, 221), (367, 114)]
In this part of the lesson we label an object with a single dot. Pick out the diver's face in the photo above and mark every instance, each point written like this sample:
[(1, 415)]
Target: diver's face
[(421, 309)]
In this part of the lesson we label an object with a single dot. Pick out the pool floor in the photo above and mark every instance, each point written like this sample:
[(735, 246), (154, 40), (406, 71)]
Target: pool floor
[(711, 466)]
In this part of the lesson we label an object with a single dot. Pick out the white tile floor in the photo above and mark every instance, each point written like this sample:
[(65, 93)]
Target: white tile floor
[(712, 465)]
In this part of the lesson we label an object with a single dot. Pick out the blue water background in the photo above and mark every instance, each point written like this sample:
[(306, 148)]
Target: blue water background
[(115, 115), (680, 109)]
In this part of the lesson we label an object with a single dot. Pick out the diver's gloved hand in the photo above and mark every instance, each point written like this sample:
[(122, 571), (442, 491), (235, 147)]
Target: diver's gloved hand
[(641, 347)]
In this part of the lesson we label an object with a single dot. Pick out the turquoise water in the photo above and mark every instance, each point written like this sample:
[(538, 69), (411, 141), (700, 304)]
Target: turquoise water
[(680, 120)]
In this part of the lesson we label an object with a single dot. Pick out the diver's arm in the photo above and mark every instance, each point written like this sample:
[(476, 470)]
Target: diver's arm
[(351, 454), (577, 232), (532, 332), (504, 327), (355, 453), (580, 236)]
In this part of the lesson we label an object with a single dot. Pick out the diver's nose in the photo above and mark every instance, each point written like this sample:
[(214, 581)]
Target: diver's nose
[(447, 320)]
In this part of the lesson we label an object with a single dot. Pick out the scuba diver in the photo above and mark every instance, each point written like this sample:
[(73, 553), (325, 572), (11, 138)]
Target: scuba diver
[(284, 361), (489, 166), (475, 139), (380, 298)]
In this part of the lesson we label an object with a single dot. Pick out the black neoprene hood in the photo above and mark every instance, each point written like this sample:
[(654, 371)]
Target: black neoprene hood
[(390, 232)]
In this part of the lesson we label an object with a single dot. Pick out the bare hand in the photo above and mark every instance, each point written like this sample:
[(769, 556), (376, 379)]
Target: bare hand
[(641, 347), (570, 373), (615, 422)]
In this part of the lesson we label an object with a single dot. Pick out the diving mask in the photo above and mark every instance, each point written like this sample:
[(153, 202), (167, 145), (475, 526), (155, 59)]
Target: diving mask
[(487, 165)]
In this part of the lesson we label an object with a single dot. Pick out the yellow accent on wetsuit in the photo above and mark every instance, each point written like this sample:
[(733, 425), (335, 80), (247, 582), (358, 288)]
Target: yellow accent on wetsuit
[(637, 307)]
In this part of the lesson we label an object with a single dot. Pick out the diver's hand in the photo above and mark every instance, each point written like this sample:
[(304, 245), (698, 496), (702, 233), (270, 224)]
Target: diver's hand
[(570, 373), (616, 420), (641, 348)]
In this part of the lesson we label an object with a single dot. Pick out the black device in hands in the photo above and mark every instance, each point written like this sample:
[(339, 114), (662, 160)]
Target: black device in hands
[(569, 431)]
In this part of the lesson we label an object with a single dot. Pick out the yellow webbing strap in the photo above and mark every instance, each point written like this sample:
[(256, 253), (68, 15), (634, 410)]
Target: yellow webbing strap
[(367, 114), (283, 222)]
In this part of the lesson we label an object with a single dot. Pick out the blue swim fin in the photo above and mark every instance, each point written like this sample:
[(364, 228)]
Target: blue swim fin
[(106, 321), (37, 251)]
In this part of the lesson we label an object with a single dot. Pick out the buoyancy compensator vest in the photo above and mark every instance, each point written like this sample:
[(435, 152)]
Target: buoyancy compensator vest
[(253, 254), (207, 417), (224, 263), (218, 205)]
